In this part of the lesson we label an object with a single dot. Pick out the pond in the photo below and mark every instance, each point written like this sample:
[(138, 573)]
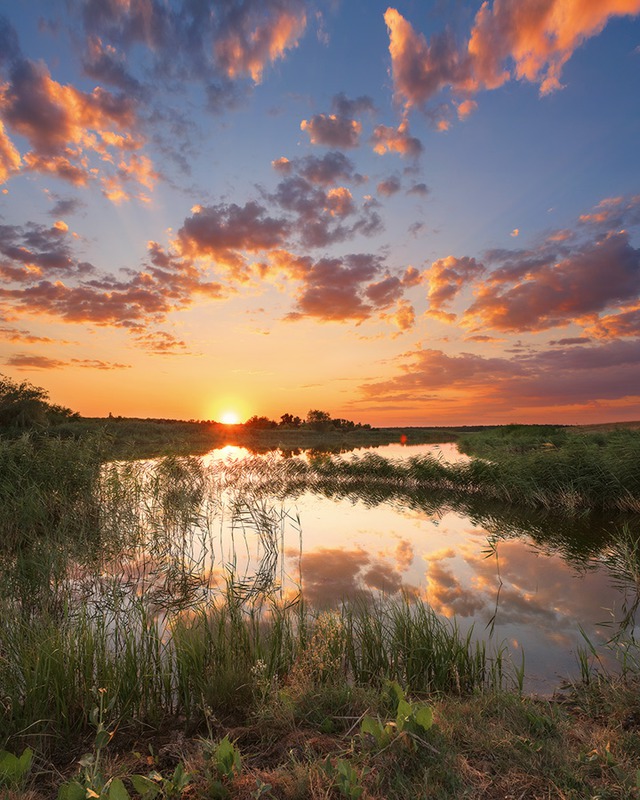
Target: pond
[(531, 582)]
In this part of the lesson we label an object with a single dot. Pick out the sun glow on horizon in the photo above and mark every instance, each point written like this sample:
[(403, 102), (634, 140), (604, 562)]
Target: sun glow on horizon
[(229, 418)]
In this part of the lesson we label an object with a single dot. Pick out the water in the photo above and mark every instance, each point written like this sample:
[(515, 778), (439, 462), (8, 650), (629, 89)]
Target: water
[(529, 581)]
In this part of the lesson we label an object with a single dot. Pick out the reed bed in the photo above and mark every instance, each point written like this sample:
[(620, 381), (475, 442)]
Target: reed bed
[(577, 477), (217, 659), (111, 581)]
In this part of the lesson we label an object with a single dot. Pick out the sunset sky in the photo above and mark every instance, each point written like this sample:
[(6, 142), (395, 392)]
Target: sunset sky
[(410, 214)]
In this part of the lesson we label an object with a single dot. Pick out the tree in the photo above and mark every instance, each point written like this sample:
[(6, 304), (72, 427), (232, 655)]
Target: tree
[(260, 423), (318, 420), (24, 406), (289, 421)]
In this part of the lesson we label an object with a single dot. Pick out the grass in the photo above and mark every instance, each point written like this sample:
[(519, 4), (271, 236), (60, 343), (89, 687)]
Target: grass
[(109, 585), (583, 472)]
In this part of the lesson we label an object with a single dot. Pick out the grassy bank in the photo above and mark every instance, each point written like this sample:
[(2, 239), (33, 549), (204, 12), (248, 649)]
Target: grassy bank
[(145, 438), (246, 692), (567, 471)]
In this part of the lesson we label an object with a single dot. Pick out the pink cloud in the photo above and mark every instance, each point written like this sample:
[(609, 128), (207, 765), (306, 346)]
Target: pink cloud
[(396, 140), (549, 293), (332, 130), (522, 39), (447, 276)]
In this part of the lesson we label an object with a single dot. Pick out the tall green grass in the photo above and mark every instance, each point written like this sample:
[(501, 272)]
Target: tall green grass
[(582, 473), (217, 658), (108, 582)]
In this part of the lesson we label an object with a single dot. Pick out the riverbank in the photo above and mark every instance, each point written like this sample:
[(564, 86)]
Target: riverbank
[(256, 695), (307, 737)]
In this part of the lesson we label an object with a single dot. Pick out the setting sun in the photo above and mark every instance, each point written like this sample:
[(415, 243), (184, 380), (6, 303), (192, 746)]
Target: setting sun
[(229, 418)]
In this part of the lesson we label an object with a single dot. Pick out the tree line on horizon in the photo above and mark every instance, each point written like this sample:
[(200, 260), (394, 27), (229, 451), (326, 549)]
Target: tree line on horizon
[(315, 420), (25, 407)]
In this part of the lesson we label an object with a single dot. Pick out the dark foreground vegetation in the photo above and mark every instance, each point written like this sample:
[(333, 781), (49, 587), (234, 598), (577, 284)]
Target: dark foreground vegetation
[(129, 667)]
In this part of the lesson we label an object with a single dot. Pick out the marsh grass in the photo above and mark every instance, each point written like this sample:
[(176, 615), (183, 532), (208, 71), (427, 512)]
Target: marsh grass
[(110, 584), (580, 474)]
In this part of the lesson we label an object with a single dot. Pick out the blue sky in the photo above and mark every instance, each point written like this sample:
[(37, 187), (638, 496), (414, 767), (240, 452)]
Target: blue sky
[(419, 213)]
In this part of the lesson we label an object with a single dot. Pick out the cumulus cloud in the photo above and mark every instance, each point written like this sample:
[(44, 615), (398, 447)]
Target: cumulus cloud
[(335, 289), (331, 168), (345, 107), (522, 39), (339, 128), (420, 189), (447, 276), (575, 277), (32, 251), (389, 186), (9, 156), (64, 126), (223, 232), (592, 278), (561, 379), (231, 40), (321, 216), (41, 276), (332, 130), (386, 139)]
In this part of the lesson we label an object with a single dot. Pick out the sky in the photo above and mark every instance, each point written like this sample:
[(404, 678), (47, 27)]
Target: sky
[(425, 213)]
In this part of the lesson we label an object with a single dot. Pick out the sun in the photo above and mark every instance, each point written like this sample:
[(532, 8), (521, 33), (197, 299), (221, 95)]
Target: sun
[(229, 418)]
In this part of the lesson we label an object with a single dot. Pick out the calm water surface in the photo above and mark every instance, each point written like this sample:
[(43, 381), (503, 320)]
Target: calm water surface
[(526, 580), (523, 579)]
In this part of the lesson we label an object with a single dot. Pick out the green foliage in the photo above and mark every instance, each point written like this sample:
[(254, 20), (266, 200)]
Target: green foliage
[(24, 406), (14, 769), (91, 783), (411, 721), (224, 757), (347, 779), (153, 785)]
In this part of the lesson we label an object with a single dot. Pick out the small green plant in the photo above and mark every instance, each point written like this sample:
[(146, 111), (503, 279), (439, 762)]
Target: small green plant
[(412, 719), (153, 785), (14, 769), (262, 789), (345, 777), (91, 784), (225, 763)]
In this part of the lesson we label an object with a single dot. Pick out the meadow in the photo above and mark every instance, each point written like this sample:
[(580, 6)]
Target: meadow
[(127, 668)]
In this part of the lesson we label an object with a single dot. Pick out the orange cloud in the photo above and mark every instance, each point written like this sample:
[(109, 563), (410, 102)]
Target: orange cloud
[(523, 39), (332, 130), (223, 233), (65, 125), (391, 140), (9, 157), (259, 37), (23, 361), (446, 277), (340, 202), (533, 295)]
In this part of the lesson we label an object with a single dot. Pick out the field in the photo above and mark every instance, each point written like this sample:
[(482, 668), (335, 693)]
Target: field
[(122, 675)]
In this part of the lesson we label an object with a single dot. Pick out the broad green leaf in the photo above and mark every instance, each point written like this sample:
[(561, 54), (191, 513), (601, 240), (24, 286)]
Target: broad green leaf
[(424, 717), (72, 791), (373, 727), (25, 761), (144, 786), (404, 713), (397, 690), (9, 768), (117, 790)]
